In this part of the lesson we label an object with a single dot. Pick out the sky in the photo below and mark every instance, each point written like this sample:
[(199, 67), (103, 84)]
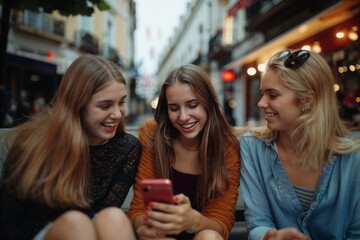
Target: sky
[(156, 21)]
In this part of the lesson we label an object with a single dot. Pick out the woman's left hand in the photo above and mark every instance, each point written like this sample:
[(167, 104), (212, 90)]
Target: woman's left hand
[(172, 219), (284, 234)]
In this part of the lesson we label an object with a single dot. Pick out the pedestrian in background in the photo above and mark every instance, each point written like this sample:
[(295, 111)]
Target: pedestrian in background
[(39, 103), (23, 110), (299, 171), (191, 143), (5, 100), (72, 161)]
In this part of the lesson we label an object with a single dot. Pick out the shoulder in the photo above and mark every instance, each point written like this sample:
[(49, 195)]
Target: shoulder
[(148, 128), (352, 158), (126, 141), (230, 139), (149, 124), (251, 143), (249, 136), (130, 138), (347, 166)]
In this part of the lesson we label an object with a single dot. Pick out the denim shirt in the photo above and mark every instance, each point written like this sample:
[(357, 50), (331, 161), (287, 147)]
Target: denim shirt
[(271, 202)]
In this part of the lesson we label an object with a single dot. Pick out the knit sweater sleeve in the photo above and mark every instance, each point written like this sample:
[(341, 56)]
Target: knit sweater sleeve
[(222, 208), (145, 168)]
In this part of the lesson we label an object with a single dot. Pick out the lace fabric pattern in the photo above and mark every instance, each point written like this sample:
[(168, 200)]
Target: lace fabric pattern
[(112, 170)]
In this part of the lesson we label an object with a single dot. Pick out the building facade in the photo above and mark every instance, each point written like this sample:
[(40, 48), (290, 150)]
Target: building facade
[(41, 46), (241, 35)]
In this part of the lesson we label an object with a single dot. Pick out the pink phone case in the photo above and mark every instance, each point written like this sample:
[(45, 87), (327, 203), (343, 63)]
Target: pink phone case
[(157, 190)]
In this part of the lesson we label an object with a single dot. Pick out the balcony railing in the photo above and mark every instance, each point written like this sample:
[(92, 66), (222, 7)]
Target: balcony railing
[(86, 42), (39, 23), (217, 50)]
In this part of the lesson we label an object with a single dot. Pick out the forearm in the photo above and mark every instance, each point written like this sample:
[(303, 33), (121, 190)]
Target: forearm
[(208, 223)]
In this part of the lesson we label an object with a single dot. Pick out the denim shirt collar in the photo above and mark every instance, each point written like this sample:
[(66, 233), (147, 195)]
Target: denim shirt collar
[(286, 195)]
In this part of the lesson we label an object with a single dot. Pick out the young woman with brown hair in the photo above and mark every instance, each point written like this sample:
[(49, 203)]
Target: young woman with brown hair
[(191, 143)]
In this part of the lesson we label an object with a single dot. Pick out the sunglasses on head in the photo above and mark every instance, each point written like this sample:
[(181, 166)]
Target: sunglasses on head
[(295, 59)]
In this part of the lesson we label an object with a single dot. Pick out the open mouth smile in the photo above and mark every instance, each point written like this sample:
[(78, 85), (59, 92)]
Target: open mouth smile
[(109, 125), (188, 125), (270, 114)]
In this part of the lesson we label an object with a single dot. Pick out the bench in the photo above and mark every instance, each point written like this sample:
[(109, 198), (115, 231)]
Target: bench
[(238, 231)]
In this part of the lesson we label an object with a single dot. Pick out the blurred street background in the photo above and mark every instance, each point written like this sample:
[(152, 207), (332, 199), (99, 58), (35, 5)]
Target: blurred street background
[(230, 39)]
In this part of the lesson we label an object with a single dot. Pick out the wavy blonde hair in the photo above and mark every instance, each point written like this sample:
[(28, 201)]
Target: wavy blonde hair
[(321, 130), (217, 133), (48, 160)]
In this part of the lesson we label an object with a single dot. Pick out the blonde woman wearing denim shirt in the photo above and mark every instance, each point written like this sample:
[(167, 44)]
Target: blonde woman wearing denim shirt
[(299, 171)]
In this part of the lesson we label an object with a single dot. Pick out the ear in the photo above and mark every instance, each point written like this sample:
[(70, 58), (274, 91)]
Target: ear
[(309, 101)]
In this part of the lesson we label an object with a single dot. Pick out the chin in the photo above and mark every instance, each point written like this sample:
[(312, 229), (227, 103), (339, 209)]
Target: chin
[(191, 136), (271, 126)]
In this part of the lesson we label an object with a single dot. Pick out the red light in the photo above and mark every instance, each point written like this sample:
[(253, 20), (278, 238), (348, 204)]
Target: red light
[(50, 55), (228, 76)]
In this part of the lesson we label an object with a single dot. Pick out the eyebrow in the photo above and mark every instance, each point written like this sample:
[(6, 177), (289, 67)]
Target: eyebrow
[(269, 90), (110, 100), (105, 101), (190, 101)]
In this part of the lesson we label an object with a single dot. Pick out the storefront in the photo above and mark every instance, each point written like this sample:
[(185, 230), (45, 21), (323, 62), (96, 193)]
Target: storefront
[(30, 84), (334, 33), (340, 45)]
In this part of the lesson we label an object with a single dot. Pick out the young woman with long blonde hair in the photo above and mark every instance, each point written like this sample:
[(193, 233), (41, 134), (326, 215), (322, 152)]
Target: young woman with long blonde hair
[(299, 171)]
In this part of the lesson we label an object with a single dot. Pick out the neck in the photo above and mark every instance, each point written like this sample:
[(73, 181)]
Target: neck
[(98, 144), (287, 142), (190, 145)]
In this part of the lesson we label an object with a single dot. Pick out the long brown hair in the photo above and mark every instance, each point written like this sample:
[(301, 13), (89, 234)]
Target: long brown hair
[(217, 134), (48, 160)]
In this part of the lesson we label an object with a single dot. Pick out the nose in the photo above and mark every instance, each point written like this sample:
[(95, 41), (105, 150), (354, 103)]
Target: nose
[(262, 102), (117, 113), (184, 115)]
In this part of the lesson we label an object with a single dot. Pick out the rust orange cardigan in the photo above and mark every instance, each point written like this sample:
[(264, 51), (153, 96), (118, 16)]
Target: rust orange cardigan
[(221, 209)]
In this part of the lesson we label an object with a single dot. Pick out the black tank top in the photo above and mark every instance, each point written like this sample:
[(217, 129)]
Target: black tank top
[(186, 184)]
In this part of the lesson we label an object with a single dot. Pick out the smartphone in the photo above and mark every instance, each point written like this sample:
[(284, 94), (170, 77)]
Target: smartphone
[(157, 190)]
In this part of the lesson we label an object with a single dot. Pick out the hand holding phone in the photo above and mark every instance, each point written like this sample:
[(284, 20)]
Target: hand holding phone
[(157, 190)]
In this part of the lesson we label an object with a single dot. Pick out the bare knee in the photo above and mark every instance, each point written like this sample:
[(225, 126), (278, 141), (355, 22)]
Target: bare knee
[(113, 223), (112, 215), (71, 225), (208, 234)]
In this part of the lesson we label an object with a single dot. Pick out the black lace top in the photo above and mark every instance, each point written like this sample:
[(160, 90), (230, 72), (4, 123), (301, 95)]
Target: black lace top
[(112, 172)]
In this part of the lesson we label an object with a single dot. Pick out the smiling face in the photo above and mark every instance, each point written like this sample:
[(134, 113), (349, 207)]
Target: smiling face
[(186, 113), (278, 102), (102, 115)]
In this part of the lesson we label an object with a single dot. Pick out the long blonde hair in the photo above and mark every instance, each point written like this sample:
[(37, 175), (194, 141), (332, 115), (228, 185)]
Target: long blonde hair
[(217, 134), (48, 160), (321, 130)]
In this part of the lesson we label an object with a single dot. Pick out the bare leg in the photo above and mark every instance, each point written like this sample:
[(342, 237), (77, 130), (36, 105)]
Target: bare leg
[(208, 234), (72, 225), (112, 223)]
